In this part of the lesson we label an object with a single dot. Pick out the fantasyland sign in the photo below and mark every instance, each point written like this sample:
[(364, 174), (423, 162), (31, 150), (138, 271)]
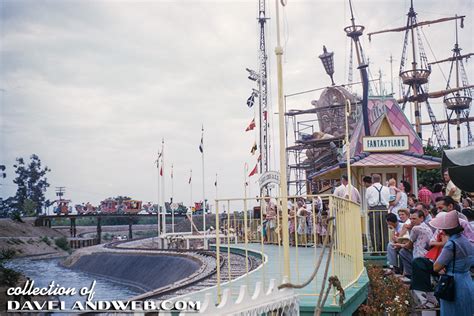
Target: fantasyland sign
[(385, 143)]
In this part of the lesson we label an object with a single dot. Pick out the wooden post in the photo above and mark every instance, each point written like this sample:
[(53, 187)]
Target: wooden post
[(99, 230)]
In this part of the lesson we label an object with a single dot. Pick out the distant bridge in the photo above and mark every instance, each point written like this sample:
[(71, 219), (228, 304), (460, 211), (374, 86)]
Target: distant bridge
[(45, 220)]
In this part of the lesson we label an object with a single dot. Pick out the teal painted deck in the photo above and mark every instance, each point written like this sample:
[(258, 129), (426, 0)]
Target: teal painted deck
[(305, 259)]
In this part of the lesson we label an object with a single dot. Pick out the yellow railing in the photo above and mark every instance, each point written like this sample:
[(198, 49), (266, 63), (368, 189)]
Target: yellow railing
[(306, 231)]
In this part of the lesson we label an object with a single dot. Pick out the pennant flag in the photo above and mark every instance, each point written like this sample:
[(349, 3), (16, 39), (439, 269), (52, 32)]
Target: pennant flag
[(190, 175), (251, 126), (215, 183), (259, 158), (171, 171), (250, 101), (201, 145), (254, 148), (254, 171), (161, 171)]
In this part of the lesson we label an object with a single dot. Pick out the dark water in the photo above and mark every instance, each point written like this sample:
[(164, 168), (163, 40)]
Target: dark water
[(45, 271)]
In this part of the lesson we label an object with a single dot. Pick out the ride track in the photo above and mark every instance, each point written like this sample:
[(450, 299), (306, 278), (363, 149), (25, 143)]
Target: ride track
[(199, 280)]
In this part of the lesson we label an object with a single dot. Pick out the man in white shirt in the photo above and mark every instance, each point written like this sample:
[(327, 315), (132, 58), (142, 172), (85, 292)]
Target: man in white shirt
[(343, 190), (451, 189), (377, 197)]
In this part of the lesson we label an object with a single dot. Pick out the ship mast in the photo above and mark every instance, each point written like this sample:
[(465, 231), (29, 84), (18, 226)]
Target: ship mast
[(459, 100), (416, 76), (263, 104), (355, 31)]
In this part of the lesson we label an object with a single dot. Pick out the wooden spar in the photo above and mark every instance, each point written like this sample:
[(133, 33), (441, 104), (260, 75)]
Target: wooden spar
[(452, 58), (439, 94), (454, 122), (404, 28)]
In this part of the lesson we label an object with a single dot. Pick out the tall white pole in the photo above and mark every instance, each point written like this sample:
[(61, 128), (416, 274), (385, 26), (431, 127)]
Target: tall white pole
[(215, 184), (163, 214), (158, 192), (191, 197), (347, 112), (172, 199), (203, 183), (282, 133)]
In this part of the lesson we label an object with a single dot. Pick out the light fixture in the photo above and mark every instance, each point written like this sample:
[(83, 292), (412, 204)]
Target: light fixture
[(327, 58)]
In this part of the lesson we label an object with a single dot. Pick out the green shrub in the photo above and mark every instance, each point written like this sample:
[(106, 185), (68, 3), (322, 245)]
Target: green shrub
[(62, 243), (387, 294), (9, 277), (46, 240), (6, 254), (16, 216)]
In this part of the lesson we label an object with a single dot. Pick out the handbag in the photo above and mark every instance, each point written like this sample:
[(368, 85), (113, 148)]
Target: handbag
[(445, 289)]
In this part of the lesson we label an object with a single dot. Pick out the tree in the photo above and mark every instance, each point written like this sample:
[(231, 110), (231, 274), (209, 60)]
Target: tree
[(32, 184), (430, 177)]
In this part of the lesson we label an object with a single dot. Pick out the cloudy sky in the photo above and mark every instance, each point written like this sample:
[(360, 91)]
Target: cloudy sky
[(93, 86)]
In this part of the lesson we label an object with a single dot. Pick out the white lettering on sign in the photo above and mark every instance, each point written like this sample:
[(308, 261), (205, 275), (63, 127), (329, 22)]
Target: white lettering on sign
[(385, 143)]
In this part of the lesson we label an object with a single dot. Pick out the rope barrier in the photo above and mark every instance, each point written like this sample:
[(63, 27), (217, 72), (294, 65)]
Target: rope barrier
[(333, 280)]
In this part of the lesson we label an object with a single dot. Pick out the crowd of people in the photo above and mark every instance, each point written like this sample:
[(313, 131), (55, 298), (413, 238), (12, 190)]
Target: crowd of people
[(431, 233), (306, 221)]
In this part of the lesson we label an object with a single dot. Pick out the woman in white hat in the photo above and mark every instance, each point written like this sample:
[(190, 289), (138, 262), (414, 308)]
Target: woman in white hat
[(456, 259)]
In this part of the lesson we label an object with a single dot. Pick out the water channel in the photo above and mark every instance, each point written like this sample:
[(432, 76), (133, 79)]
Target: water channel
[(45, 271)]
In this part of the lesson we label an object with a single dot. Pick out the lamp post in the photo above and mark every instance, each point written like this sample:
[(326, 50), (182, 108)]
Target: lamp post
[(327, 58), (282, 133)]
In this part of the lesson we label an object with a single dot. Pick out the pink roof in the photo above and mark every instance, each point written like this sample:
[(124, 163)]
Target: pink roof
[(380, 108), (394, 159)]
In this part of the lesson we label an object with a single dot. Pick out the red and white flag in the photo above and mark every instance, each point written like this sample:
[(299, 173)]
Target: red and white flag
[(251, 126), (254, 171)]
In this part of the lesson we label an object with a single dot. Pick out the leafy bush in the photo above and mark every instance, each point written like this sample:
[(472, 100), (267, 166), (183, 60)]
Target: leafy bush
[(62, 243), (9, 277), (16, 216), (46, 240), (387, 294), (6, 254)]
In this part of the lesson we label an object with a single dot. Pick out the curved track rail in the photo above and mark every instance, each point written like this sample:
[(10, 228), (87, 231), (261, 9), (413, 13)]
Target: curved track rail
[(205, 278)]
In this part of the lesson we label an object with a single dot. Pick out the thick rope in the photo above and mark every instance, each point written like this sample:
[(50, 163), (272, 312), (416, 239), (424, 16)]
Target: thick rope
[(318, 309), (315, 272)]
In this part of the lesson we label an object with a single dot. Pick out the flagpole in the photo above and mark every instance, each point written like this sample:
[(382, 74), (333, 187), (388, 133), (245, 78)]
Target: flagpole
[(172, 198), (215, 183), (203, 181), (163, 214), (191, 197), (158, 186)]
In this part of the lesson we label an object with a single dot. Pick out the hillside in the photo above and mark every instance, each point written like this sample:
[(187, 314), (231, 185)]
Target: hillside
[(28, 240)]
